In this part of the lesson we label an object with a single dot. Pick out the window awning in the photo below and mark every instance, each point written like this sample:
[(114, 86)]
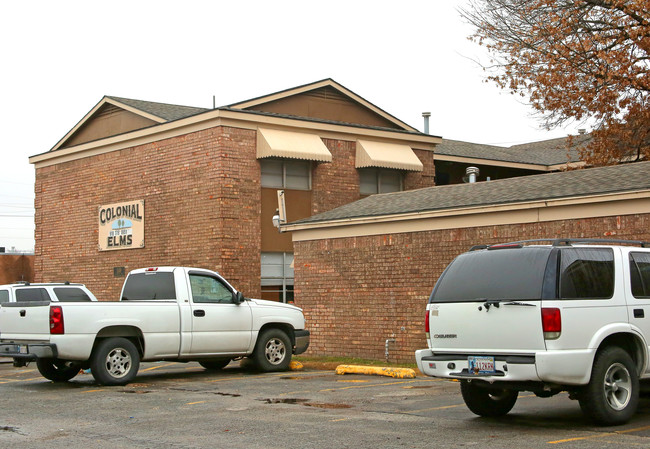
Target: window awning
[(386, 155), (287, 144)]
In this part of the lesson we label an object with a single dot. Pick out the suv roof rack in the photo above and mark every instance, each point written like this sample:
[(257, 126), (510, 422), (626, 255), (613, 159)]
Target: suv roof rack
[(563, 242)]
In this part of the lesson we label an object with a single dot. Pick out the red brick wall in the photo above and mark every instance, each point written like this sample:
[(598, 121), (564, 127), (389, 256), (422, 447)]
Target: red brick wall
[(16, 267), (202, 208), (357, 292)]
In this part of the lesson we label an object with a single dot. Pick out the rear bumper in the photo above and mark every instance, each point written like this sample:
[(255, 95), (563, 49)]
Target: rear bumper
[(302, 341), (28, 351), (570, 367)]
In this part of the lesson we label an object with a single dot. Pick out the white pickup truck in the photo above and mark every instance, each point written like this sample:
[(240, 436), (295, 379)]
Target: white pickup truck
[(164, 313)]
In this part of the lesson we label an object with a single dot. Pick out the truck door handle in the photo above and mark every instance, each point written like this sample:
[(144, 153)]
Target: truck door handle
[(23, 312), (199, 312), (639, 313)]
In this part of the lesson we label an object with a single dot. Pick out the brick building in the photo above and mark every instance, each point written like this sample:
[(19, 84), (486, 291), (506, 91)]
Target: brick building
[(364, 271), (138, 184)]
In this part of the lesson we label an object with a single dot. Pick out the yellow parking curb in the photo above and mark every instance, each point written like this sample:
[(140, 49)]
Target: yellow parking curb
[(399, 373), (295, 366)]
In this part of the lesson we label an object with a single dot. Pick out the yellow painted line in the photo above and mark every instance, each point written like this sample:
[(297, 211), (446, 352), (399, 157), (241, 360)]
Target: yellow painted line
[(91, 391), (337, 420), (399, 373), (159, 366), (368, 386), (352, 381), (443, 407), (198, 402), (608, 434)]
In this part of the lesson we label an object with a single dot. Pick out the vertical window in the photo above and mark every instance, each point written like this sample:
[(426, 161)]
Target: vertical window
[(277, 277), (4, 296), (375, 180), (286, 174), (586, 273), (640, 274)]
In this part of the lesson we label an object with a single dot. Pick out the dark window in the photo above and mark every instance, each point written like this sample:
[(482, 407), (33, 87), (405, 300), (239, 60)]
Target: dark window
[(586, 273), (375, 180), (32, 294), (145, 286), (68, 294), (4, 296), (640, 274), (206, 289), (516, 274), (286, 174)]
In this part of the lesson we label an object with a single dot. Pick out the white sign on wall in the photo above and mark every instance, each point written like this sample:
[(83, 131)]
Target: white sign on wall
[(121, 226)]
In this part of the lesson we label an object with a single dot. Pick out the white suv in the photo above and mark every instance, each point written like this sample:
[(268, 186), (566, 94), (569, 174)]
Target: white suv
[(570, 316), (50, 291)]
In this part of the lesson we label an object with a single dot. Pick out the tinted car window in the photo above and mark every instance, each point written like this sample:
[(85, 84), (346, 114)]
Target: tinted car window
[(586, 273), (69, 294), (32, 294), (146, 286), (206, 289), (493, 274), (4, 296), (640, 274)]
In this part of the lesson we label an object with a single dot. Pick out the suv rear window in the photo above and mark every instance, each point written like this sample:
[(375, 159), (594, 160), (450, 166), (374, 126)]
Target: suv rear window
[(640, 274), (32, 294), (4, 296), (69, 294), (147, 286), (586, 273), (514, 274)]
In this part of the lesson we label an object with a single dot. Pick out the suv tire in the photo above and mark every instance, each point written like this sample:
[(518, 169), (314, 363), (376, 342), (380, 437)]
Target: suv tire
[(612, 395), (487, 402)]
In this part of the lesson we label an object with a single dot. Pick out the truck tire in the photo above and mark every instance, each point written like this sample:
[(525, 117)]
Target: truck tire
[(214, 364), (272, 351), (57, 370), (612, 395), (487, 402), (114, 361)]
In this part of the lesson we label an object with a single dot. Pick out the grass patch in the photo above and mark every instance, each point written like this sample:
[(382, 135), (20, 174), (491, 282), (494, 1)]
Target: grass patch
[(333, 362)]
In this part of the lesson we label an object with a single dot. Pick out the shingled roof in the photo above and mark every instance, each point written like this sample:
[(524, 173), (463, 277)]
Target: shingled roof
[(571, 184), (544, 153), (165, 111)]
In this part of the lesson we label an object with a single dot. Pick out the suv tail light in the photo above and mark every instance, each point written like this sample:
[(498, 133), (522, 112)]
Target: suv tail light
[(56, 320), (551, 323), (426, 324)]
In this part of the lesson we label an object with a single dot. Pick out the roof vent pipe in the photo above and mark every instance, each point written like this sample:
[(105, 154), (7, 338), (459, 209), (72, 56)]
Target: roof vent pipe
[(426, 116), (472, 174)]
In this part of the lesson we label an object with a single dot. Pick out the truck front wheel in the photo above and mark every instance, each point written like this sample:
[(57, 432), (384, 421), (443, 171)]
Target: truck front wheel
[(612, 395), (57, 370), (272, 351), (115, 361), (486, 401)]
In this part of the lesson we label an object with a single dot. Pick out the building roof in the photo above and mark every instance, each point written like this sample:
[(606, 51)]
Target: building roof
[(165, 111), (548, 186), (545, 153)]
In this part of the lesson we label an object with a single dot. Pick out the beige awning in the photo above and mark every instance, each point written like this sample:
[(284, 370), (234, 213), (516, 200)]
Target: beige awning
[(386, 155), (287, 144)]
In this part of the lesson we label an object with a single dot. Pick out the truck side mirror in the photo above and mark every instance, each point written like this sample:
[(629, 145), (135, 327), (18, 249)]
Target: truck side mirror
[(237, 298)]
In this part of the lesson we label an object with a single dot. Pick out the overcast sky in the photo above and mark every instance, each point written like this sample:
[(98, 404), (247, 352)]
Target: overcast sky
[(60, 58)]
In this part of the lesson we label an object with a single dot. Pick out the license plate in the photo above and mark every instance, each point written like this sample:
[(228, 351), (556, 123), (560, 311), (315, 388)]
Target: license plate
[(480, 365)]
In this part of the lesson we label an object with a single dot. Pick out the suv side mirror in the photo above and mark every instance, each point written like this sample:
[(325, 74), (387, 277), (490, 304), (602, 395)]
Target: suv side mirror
[(237, 298)]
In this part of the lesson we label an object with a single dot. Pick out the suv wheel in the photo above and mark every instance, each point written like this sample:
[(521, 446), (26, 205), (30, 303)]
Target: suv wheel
[(487, 401), (612, 395)]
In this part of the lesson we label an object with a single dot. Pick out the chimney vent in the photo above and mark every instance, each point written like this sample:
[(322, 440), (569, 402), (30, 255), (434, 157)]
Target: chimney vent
[(472, 174), (426, 116)]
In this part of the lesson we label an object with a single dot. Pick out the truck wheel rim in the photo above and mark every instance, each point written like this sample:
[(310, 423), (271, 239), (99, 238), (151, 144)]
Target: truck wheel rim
[(118, 362), (618, 386), (275, 351)]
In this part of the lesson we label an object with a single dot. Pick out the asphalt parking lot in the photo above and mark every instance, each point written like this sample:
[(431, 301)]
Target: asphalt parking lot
[(175, 405)]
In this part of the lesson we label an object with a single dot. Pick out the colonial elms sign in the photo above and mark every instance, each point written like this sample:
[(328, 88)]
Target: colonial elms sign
[(121, 226)]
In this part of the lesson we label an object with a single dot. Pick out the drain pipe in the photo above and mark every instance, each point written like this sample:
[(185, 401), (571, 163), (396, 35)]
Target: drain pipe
[(388, 341)]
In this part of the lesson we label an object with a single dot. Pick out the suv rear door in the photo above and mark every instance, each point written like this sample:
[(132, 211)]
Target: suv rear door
[(489, 302)]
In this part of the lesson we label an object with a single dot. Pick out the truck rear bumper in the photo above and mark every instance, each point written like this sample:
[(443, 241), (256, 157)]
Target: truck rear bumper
[(28, 351), (302, 341)]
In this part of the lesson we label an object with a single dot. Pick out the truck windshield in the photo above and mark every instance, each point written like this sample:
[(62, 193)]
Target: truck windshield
[(510, 274), (147, 286)]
